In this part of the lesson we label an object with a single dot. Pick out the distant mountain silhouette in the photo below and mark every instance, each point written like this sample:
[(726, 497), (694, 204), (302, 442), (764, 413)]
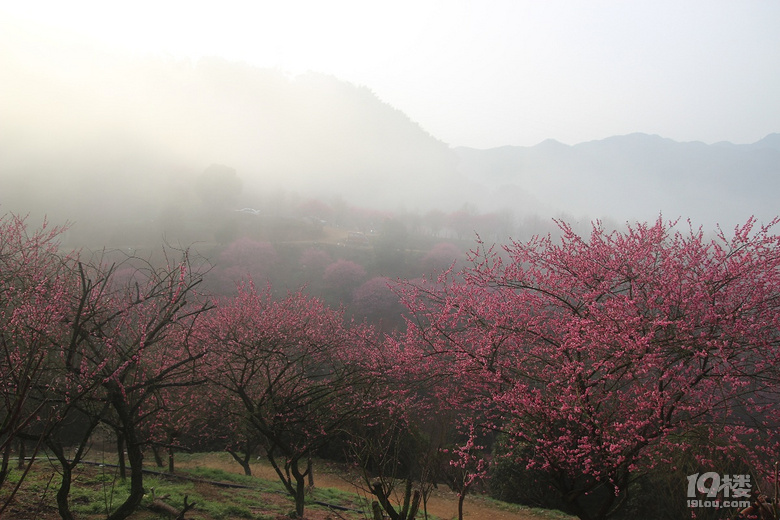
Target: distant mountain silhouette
[(87, 136), (770, 141), (139, 129), (638, 176)]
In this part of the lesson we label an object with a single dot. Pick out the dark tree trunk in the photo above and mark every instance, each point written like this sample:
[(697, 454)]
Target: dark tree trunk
[(377, 510), (120, 453), (68, 465), (134, 455), (22, 454), (243, 461), (300, 493), (4, 463), (291, 475), (157, 457), (172, 435), (409, 508), (63, 507), (62, 494), (171, 465)]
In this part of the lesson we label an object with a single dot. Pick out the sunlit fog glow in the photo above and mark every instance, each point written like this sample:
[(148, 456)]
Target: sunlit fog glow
[(482, 74)]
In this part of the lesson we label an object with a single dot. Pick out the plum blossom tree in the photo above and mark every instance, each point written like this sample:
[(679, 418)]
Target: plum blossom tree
[(376, 300), (343, 276), (291, 367), (466, 466), (119, 347), (33, 291), (394, 455), (243, 259), (178, 417), (440, 258), (402, 427), (603, 356), (127, 344), (388, 452), (314, 260)]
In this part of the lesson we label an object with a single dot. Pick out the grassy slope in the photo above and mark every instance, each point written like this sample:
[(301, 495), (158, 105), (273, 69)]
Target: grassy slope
[(259, 497)]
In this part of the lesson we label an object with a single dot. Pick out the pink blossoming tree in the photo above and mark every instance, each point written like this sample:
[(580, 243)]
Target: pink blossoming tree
[(291, 369), (34, 284), (123, 346), (600, 357)]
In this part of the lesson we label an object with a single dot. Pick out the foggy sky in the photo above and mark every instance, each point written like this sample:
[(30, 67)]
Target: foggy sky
[(480, 74)]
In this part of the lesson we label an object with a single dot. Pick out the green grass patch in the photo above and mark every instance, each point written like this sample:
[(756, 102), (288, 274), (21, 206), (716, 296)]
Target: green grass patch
[(219, 475), (552, 514), (94, 494), (336, 497), (222, 503)]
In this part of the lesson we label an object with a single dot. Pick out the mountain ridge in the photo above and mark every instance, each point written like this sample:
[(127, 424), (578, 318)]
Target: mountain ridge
[(84, 136), (637, 176)]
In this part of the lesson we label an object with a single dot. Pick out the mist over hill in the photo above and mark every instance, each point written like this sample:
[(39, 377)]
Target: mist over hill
[(88, 136), (82, 130), (637, 177)]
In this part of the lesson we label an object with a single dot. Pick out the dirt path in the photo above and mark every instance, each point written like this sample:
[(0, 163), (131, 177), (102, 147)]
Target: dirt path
[(442, 503)]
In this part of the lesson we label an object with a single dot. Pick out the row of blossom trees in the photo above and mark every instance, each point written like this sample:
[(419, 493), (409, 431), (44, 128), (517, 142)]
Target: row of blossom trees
[(594, 360)]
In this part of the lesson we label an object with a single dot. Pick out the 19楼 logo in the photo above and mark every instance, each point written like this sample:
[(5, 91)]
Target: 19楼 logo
[(717, 491)]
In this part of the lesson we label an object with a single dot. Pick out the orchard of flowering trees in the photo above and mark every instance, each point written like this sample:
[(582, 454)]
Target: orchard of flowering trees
[(593, 367)]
